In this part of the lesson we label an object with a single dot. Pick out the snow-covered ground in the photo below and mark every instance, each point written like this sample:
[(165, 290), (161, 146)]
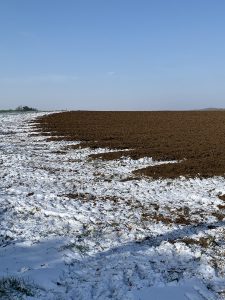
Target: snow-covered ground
[(75, 228)]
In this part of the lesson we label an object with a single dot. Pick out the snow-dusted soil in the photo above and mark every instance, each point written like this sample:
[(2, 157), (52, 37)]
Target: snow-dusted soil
[(74, 228)]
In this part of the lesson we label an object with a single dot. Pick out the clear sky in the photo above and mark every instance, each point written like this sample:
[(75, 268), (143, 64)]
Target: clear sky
[(112, 54)]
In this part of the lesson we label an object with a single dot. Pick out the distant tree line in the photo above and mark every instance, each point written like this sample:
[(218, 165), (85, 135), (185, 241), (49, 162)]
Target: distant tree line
[(25, 108)]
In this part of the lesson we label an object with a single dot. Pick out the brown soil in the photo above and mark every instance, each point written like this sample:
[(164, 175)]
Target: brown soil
[(197, 138), (222, 197), (204, 242)]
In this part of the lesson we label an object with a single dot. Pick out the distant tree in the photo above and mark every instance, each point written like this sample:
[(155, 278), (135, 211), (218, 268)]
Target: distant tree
[(25, 108), (19, 108)]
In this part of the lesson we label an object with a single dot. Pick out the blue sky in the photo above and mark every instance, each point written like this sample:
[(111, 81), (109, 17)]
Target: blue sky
[(112, 54)]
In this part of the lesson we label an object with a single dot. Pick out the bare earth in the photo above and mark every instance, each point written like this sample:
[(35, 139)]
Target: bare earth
[(196, 139)]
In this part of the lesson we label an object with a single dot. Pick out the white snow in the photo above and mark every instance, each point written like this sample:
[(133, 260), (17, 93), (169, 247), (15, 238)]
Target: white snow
[(75, 228), (188, 290)]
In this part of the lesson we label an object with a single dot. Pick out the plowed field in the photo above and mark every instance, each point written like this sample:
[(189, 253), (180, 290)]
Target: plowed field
[(195, 138)]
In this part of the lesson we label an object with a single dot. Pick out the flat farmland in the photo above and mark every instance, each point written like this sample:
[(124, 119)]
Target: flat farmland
[(80, 222), (195, 139)]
